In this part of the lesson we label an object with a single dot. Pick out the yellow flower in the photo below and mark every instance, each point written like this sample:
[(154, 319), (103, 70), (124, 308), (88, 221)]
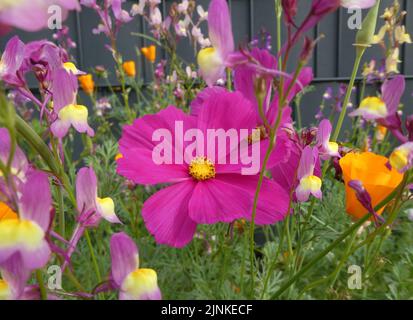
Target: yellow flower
[(129, 68), (393, 61), (149, 53), (86, 83), (377, 178), (71, 67), (401, 35), (380, 36)]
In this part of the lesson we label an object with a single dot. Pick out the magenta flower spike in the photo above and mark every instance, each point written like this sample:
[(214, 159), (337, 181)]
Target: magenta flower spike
[(25, 238), (309, 183), (33, 15), (327, 148), (133, 282), (202, 190), (212, 60)]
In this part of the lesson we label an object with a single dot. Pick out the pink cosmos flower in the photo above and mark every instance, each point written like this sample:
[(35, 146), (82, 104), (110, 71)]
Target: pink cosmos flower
[(327, 148), (25, 238), (133, 282), (202, 190), (212, 60), (309, 183), (32, 15)]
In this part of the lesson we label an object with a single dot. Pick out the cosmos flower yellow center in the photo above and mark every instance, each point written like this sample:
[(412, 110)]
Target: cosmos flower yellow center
[(311, 183), (374, 105), (201, 168), (399, 159), (5, 292), (140, 282)]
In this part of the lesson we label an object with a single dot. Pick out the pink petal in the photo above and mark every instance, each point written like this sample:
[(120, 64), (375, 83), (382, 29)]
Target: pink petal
[(86, 190), (198, 103), (36, 200), (137, 165), (220, 27), (392, 92), (166, 215), (15, 274), (124, 255), (36, 258), (273, 201), (217, 200)]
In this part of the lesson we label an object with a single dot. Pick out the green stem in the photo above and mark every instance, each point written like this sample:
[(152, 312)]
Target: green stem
[(321, 255), (278, 13), (42, 288), (349, 231), (359, 55), (92, 254), (61, 209), (37, 143)]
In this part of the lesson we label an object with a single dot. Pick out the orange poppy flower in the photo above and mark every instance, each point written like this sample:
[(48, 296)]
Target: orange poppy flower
[(129, 68), (6, 212), (149, 53), (86, 83), (376, 177)]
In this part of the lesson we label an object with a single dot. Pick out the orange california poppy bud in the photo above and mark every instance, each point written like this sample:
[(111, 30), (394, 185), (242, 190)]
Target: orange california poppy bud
[(372, 170), (129, 68), (6, 212), (86, 83), (149, 53)]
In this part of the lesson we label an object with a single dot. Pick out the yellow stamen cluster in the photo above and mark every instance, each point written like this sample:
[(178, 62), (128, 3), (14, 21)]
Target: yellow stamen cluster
[(201, 169)]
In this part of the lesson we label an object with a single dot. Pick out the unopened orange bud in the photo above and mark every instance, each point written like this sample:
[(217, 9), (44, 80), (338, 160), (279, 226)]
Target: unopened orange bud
[(149, 53), (129, 68), (86, 83)]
